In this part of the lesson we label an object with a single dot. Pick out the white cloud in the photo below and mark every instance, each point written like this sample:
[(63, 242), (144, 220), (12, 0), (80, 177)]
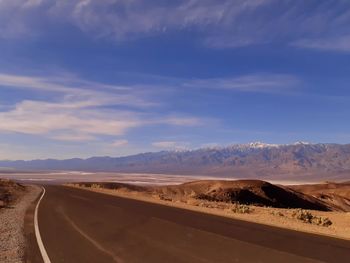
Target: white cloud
[(265, 83), (120, 143), (171, 145), (35, 117), (89, 93), (73, 137), (341, 44), (210, 145), (181, 121), (79, 110), (164, 144), (219, 23)]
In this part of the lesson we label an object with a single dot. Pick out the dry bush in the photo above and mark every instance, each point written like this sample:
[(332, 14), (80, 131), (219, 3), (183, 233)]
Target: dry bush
[(241, 209), (277, 213), (165, 198), (308, 217)]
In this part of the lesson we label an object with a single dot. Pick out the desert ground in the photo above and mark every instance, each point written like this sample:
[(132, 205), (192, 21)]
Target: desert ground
[(314, 208), (15, 199), (321, 209)]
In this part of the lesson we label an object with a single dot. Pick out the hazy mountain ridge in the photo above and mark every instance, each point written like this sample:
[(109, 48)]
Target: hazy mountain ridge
[(242, 160)]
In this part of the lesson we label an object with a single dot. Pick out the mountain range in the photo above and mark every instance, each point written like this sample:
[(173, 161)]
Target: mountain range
[(254, 160)]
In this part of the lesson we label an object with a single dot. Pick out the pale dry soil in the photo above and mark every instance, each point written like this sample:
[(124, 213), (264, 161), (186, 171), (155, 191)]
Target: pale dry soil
[(278, 217), (12, 240)]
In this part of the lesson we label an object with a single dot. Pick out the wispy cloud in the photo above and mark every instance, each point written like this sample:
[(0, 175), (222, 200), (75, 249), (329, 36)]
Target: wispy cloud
[(60, 120), (74, 89), (263, 83), (120, 143), (341, 44), (80, 110), (218, 24), (171, 145)]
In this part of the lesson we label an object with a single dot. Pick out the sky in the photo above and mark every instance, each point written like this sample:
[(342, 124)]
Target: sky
[(85, 78)]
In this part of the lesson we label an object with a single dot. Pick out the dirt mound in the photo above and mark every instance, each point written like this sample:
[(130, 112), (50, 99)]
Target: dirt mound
[(253, 192), (9, 192), (336, 195), (249, 192)]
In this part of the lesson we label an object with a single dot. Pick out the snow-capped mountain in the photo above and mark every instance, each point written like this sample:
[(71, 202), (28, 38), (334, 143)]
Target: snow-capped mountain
[(258, 160)]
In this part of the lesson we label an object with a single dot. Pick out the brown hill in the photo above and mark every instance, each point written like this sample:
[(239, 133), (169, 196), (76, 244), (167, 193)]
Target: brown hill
[(253, 192), (336, 195)]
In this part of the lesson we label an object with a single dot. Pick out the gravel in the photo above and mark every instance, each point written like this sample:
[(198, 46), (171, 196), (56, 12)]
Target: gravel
[(12, 241)]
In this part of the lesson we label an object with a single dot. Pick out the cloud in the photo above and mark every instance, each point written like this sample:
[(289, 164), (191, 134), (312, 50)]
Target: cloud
[(119, 143), (89, 93), (80, 110), (118, 19), (171, 145), (182, 121), (341, 44), (264, 83), (62, 119), (73, 137), (217, 23), (210, 145)]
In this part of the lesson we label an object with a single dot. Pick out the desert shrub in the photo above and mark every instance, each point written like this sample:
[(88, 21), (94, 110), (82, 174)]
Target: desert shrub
[(193, 202), (322, 221), (241, 209), (277, 213), (303, 215), (165, 198), (307, 217)]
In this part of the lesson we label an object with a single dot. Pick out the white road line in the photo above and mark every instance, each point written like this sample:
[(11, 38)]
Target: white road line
[(37, 232)]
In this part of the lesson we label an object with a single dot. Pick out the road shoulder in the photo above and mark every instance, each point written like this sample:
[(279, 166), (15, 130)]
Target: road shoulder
[(12, 227)]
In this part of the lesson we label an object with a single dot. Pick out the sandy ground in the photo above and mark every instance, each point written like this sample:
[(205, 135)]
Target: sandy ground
[(12, 241), (278, 217), (60, 177)]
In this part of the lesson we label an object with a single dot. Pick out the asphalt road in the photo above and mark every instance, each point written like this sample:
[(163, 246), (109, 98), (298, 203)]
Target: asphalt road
[(81, 226)]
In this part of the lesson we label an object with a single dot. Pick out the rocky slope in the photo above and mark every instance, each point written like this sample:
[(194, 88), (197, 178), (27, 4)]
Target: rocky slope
[(336, 195), (250, 192), (10, 192)]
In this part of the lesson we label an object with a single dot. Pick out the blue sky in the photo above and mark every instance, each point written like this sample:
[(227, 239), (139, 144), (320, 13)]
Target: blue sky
[(86, 78)]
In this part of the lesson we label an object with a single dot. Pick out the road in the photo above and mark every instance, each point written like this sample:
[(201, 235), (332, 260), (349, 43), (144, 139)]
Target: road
[(82, 226)]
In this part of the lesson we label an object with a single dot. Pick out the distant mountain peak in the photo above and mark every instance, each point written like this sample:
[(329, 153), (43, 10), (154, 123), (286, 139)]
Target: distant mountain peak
[(250, 160), (262, 145), (302, 143)]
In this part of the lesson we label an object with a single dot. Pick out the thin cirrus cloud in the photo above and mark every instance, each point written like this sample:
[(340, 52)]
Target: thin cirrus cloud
[(120, 143), (341, 44), (80, 91), (80, 113), (261, 83), (171, 145), (219, 24)]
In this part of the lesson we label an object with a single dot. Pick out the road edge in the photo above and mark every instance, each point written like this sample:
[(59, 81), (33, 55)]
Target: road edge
[(42, 249)]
